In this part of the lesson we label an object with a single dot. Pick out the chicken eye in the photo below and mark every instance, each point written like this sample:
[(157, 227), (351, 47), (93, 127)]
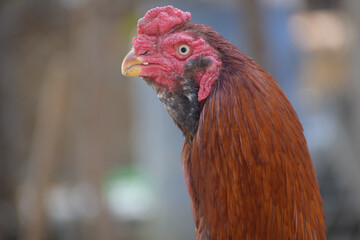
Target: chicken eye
[(184, 49)]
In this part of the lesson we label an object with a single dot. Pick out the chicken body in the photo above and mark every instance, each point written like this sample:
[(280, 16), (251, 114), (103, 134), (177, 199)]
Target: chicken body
[(245, 158)]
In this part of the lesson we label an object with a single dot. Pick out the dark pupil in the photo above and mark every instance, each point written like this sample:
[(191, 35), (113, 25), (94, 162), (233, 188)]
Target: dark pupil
[(183, 49)]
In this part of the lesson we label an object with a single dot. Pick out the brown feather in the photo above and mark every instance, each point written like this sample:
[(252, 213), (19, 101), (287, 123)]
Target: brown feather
[(248, 168)]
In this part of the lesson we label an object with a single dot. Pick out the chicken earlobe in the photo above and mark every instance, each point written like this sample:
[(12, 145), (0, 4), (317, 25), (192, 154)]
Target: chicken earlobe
[(209, 77)]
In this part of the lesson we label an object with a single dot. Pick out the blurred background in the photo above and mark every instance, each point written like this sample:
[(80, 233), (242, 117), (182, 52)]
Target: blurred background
[(86, 153)]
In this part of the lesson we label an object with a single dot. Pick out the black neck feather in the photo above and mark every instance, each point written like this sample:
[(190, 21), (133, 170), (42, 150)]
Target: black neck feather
[(182, 103)]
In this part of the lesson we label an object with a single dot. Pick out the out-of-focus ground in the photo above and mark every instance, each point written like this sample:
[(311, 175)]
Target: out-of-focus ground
[(86, 153)]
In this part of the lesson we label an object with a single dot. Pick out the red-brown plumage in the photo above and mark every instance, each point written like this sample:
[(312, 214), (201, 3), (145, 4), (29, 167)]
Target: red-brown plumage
[(249, 169), (245, 158)]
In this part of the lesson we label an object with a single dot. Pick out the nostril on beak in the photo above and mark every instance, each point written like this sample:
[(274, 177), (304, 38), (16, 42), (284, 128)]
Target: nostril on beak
[(145, 53)]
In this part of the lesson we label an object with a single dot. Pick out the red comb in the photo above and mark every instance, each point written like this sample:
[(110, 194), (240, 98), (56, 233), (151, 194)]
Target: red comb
[(159, 20)]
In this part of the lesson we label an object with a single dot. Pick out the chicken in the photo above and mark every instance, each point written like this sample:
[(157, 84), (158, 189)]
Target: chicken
[(245, 158)]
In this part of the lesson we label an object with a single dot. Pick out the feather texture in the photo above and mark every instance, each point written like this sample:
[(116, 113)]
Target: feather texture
[(248, 169)]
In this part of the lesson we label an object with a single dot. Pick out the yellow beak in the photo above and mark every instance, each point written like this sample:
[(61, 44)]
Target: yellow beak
[(131, 64)]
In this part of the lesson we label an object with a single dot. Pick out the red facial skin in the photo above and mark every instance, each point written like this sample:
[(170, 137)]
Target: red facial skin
[(159, 48)]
